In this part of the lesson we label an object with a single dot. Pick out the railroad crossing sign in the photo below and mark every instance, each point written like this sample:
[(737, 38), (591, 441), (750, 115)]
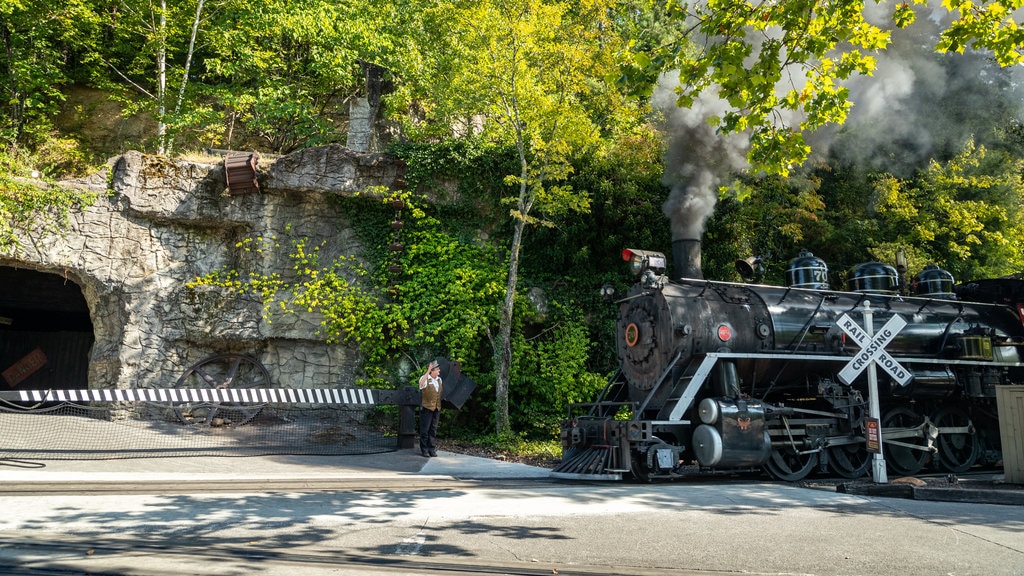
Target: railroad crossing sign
[(872, 349)]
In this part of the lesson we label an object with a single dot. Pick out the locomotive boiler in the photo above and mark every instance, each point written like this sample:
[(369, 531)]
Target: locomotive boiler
[(723, 375)]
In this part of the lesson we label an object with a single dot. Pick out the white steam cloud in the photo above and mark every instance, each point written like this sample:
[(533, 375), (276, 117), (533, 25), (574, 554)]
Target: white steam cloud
[(919, 104)]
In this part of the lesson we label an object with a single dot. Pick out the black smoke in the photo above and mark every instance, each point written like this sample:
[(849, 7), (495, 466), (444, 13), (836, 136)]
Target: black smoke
[(697, 159)]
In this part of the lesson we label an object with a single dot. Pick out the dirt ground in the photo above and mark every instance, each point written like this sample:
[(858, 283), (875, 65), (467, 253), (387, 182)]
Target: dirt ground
[(504, 456)]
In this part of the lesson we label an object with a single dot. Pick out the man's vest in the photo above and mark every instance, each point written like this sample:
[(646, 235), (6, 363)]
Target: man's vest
[(431, 398)]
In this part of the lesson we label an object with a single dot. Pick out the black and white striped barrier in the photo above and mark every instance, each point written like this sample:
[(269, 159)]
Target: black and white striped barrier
[(457, 388), (348, 396)]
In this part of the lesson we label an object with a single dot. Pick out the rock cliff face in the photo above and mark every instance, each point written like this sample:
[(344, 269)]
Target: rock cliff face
[(157, 225)]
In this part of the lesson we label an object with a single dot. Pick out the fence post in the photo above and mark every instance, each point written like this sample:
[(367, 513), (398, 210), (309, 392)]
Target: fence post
[(408, 400)]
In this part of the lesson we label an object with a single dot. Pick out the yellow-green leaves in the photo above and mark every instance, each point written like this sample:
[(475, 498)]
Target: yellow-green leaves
[(24, 206), (967, 213), (985, 25)]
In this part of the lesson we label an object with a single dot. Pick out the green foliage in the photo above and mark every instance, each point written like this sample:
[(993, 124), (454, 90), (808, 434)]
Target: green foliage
[(987, 24), (477, 166), (278, 68), (771, 62), (550, 372), (27, 206), (38, 42), (652, 43), (447, 291), (62, 157), (775, 219), (965, 214)]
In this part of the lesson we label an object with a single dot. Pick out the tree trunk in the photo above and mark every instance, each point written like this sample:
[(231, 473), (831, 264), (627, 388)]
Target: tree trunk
[(161, 80), (188, 64), (503, 350)]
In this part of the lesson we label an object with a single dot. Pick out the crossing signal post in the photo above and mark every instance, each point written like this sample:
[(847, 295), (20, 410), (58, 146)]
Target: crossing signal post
[(872, 353)]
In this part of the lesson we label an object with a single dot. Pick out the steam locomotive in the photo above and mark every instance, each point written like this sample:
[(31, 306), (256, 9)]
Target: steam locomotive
[(725, 375)]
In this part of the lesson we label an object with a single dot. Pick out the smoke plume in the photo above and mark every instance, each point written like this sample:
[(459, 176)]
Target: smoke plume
[(697, 158), (918, 105)]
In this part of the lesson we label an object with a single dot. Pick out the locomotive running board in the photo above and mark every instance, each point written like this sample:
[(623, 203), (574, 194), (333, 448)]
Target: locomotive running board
[(830, 358), (704, 369)]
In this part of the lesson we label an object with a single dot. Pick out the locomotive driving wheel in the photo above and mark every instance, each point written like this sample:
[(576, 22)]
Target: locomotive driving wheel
[(222, 371), (849, 460), (958, 443), (790, 464), (906, 454), (788, 461)]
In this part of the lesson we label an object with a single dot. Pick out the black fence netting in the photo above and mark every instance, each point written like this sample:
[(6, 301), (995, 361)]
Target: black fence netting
[(81, 431)]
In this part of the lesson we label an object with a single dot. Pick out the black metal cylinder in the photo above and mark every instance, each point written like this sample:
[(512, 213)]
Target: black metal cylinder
[(686, 259)]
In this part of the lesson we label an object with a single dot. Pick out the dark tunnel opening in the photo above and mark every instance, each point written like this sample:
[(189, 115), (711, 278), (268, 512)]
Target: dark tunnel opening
[(46, 332)]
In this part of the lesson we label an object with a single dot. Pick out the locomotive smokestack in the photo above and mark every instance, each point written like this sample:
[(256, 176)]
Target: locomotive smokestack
[(686, 259)]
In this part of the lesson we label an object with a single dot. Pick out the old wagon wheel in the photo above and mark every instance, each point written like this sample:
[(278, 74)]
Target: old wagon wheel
[(222, 372)]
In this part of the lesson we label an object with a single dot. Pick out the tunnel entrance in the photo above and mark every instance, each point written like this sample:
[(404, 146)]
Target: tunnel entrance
[(46, 332)]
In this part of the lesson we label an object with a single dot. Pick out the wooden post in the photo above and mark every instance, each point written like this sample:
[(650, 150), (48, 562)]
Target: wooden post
[(409, 399)]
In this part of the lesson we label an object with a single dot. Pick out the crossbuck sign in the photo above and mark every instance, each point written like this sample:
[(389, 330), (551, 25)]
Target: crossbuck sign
[(872, 349)]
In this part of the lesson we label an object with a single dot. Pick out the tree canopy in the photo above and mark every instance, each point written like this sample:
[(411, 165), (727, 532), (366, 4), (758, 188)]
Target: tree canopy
[(543, 114)]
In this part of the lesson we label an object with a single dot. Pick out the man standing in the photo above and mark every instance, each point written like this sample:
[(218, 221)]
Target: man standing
[(430, 408)]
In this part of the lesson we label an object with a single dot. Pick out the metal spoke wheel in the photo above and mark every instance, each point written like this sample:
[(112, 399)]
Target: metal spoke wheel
[(850, 460), (222, 372), (958, 442), (790, 465), (905, 454)]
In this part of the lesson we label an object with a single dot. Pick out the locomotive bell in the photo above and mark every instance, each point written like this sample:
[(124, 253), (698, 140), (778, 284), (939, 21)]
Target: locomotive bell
[(750, 268)]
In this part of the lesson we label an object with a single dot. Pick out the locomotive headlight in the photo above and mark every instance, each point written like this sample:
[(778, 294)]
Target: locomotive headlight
[(643, 260)]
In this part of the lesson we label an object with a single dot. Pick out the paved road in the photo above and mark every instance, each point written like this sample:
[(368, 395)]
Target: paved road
[(483, 527)]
